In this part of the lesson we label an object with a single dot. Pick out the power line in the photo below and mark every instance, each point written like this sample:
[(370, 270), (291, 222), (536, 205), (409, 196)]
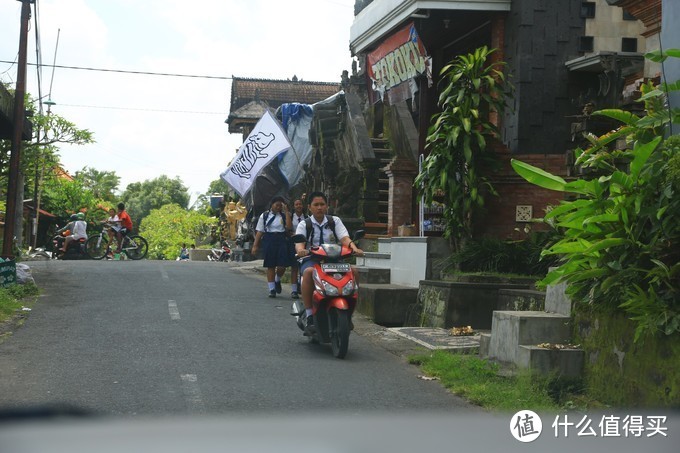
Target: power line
[(140, 109), (121, 71)]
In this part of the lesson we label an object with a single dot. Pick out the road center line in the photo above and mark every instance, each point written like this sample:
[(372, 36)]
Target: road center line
[(192, 393), (164, 275), (174, 312)]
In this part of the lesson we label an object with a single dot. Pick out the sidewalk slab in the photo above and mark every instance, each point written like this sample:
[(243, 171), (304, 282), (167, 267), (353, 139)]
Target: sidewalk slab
[(437, 338)]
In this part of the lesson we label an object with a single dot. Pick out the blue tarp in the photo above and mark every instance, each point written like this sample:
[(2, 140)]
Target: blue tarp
[(296, 119)]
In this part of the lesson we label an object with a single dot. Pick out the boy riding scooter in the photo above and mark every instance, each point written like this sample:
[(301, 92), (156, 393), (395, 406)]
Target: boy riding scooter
[(318, 229)]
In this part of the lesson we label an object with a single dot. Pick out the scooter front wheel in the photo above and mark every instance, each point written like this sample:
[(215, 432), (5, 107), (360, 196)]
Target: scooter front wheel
[(96, 247), (339, 324)]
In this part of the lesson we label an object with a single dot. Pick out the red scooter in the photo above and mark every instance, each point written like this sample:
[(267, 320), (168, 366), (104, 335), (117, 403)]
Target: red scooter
[(335, 295)]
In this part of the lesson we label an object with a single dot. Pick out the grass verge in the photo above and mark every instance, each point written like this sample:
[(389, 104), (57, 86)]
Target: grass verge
[(479, 381), (14, 298)]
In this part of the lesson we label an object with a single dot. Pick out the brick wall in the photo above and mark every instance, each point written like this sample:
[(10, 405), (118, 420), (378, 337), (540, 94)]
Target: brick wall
[(499, 219), (401, 171)]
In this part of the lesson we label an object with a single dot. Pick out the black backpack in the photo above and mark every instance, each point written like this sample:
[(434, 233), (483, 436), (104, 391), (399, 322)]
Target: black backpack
[(267, 223), (310, 228)]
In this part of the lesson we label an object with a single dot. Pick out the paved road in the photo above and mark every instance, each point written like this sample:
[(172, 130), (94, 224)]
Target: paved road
[(178, 338)]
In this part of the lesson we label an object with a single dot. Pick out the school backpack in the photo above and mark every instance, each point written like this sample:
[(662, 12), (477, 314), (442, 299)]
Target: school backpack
[(267, 223), (310, 228)]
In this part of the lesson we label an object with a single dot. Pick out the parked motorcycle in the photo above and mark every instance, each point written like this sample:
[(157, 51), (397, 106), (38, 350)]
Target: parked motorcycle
[(334, 298), (221, 254)]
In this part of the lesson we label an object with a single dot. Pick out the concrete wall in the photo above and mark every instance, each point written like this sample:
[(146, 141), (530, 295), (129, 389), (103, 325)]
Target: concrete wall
[(199, 254), (608, 27), (670, 38), (455, 304), (408, 261)]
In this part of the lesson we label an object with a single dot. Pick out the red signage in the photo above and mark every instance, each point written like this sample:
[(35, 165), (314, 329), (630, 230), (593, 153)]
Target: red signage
[(394, 65)]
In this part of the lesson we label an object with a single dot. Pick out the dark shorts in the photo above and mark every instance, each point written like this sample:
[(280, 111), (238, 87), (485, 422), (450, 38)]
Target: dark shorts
[(306, 263), (275, 250)]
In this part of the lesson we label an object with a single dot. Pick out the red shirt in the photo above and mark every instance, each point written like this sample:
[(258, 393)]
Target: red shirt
[(125, 220)]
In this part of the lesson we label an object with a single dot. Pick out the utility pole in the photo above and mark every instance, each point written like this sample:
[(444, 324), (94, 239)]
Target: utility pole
[(11, 210)]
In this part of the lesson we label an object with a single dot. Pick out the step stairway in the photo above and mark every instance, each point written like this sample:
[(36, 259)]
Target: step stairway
[(515, 336)]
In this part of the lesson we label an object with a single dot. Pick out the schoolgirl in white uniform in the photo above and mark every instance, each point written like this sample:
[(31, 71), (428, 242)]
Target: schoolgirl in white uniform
[(271, 231)]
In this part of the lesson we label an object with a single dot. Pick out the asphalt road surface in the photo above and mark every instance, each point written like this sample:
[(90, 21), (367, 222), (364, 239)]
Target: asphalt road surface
[(180, 338)]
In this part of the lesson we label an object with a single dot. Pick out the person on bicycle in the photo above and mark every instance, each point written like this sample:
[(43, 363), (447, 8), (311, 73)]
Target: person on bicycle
[(78, 232), (125, 225), (325, 229), (114, 225)]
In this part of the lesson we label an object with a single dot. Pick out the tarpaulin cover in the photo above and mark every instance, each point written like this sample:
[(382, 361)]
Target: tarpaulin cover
[(297, 120)]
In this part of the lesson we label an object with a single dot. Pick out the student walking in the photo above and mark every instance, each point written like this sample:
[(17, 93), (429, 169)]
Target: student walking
[(271, 232), (298, 216)]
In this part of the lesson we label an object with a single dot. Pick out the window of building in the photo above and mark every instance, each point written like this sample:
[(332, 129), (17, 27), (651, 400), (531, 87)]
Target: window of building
[(588, 10), (629, 44), (586, 44), (627, 15)]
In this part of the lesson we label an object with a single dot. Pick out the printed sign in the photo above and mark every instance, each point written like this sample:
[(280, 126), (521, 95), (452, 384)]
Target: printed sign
[(8, 273), (394, 65)]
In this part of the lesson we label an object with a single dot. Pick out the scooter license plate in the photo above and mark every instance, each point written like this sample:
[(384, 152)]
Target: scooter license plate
[(335, 267)]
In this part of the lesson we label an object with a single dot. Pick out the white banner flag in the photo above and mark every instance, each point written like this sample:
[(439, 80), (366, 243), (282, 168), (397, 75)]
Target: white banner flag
[(264, 143)]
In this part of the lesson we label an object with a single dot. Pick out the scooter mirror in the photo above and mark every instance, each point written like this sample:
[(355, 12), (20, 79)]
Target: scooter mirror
[(299, 238), (358, 234)]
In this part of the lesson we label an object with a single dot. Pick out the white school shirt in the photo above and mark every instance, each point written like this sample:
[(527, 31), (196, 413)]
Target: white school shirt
[(79, 229), (275, 226), (114, 222), (296, 220), (328, 237)]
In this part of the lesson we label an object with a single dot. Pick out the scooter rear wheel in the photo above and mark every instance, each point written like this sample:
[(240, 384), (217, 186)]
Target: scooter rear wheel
[(339, 324)]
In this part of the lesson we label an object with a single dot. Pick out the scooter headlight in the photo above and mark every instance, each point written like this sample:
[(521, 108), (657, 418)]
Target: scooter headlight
[(348, 289), (329, 289)]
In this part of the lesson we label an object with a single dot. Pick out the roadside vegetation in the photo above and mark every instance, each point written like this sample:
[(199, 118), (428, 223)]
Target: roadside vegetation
[(14, 298), (618, 239), (484, 383)]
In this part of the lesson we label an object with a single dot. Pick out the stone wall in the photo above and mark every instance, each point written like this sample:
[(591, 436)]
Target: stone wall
[(622, 373), (456, 304), (540, 37)]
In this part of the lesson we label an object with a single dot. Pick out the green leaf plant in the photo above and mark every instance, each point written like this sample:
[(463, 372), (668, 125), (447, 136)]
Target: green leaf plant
[(619, 240), (471, 90)]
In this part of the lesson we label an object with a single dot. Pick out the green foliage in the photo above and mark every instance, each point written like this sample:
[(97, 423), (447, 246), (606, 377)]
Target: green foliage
[(503, 256), (40, 155), (102, 184), (170, 226), (63, 197), (141, 198), (472, 90), (620, 239)]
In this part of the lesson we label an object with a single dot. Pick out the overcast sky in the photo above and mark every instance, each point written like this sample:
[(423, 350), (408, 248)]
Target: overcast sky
[(144, 125)]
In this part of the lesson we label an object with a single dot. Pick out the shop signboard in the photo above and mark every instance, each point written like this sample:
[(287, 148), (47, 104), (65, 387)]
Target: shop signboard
[(394, 66)]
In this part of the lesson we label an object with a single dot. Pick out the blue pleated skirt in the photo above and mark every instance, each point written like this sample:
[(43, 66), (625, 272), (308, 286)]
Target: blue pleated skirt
[(276, 250)]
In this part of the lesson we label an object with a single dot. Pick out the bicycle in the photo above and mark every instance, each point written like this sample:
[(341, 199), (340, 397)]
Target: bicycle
[(134, 246)]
